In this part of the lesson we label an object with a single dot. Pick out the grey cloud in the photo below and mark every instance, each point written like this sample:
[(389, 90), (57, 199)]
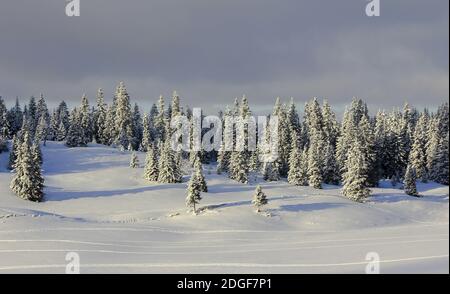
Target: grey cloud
[(212, 51)]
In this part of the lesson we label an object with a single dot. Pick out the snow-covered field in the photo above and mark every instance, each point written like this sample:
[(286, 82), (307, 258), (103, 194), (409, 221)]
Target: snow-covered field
[(98, 207)]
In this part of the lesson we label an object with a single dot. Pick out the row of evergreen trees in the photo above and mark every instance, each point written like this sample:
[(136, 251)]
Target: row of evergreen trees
[(357, 152)]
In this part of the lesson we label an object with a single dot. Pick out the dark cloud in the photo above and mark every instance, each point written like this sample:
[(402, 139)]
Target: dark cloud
[(212, 51)]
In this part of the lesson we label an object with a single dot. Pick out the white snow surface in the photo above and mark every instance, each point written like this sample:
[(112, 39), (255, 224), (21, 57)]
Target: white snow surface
[(100, 208)]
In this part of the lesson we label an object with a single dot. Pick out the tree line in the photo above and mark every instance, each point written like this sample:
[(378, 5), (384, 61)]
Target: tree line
[(315, 148)]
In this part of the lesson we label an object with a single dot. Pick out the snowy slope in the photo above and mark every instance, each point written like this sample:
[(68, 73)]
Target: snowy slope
[(117, 222)]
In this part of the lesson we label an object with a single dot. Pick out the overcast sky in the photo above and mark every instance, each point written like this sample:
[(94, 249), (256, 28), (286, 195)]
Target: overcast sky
[(211, 51)]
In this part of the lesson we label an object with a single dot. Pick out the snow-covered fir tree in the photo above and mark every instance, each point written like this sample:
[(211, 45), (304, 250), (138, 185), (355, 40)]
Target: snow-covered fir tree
[(259, 199), (295, 164), (61, 132), (239, 169), (146, 134), (303, 176), (365, 134), (53, 127), (441, 166), (330, 169), (418, 158), (223, 159), (198, 174), (37, 152), (437, 145), (280, 112), (330, 125), (193, 192), (99, 119), (314, 120), (60, 122), (160, 120), (134, 161), (409, 184), (3, 144), (169, 171), (74, 137), (42, 112), (123, 119), (352, 117), (314, 167), (4, 126), (380, 144), (31, 115), (85, 121), (137, 128), (356, 173), (15, 117), (13, 152), (27, 181), (42, 130), (294, 122), (151, 164), (271, 171), (224, 156), (254, 163)]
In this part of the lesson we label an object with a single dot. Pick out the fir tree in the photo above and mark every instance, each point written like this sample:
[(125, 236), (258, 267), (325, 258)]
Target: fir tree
[(42, 130), (123, 119), (15, 117), (239, 167), (61, 132), (37, 152), (223, 159), (200, 178), (13, 152), (330, 169), (418, 152), (74, 136), (100, 119), (110, 130), (42, 110), (151, 164), (227, 143), (442, 162), (146, 134), (356, 173), (303, 178), (134, 161), (410, 181), (254, 163), (85, 121), (314, 168), (295, 164), (53, 127), (365, 135), (350, 122), (283, 137), (270, 171), (259, 199), (169, 171), (31, 115), (27, 181), (3, 144), (137, 128), (160, 120), (193, 192), (330, 125)]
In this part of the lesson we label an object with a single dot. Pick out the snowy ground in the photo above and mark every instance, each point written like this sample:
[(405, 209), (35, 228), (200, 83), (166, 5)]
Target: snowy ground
[(119, 223)]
